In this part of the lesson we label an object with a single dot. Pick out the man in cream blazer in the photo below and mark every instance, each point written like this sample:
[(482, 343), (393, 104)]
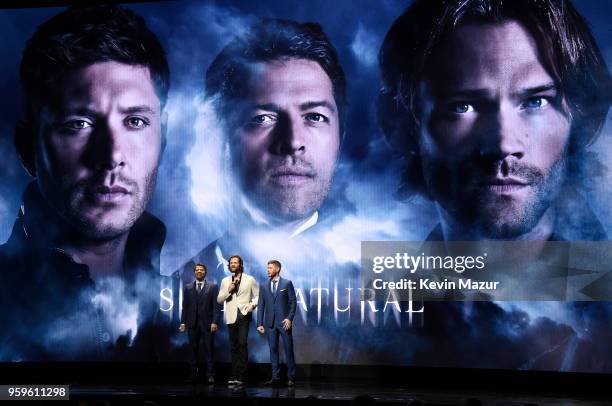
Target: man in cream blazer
[(240, 294)]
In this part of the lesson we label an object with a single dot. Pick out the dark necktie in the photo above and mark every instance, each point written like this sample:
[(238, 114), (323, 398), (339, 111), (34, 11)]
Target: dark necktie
[(199, 287), (273, 287)]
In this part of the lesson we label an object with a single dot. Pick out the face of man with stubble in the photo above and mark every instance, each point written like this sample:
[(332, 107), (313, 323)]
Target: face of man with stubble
[(98, 147), (286, 143), (495, 131), (200, 272), (234, 264)]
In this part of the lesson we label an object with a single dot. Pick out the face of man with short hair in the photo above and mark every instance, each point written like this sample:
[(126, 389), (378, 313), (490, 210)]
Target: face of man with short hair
[(287, 142), (98, 148), (199, 272), (273, 271), (495, 131)]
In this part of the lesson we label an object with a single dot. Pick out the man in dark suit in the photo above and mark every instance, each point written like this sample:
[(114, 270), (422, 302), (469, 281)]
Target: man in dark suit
[(199, 317), (276, 308)]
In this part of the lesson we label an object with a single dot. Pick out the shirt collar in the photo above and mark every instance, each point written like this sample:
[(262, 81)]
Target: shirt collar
[(311, 221)]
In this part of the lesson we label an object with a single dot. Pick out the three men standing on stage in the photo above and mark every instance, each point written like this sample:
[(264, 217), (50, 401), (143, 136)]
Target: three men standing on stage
[(200, 314), (240, 293), (200, 317), (277, 303)]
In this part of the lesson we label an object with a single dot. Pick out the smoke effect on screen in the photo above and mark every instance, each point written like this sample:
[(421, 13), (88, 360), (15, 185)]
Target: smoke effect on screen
[(194, 198)]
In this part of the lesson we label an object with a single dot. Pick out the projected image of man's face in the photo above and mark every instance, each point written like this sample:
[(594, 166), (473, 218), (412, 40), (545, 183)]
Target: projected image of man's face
[(287, 145), (495, 131), (98, 148)]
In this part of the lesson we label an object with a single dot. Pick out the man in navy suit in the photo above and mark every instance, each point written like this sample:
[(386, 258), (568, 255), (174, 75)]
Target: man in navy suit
[(276, 309), (200, 318)]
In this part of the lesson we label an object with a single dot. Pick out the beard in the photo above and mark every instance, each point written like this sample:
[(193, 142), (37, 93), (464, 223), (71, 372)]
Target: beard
[(290, 204), (285, 202), (491, 215), (102, 223)]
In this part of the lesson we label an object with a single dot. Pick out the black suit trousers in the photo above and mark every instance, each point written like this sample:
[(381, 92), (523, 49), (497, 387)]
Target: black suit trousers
[(238, 334), (201, 342)]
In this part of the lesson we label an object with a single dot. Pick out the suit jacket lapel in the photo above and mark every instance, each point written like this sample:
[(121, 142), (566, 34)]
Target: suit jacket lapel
[(241, 284)]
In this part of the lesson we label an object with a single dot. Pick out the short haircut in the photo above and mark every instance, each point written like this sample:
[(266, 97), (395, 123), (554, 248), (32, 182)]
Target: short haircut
[(266, 41), (202, 265), (565, 43), (84, 35), (275, 263), (240, 262)]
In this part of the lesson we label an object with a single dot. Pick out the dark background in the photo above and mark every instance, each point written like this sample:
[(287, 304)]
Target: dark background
[(190, 196)]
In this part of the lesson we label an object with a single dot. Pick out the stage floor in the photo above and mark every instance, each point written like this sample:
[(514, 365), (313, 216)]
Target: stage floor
[(315, 393)]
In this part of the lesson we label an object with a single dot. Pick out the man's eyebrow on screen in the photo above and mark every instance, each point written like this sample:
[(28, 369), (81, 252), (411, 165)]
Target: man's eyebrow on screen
[(303, 106), (138, 109), (487, 93)]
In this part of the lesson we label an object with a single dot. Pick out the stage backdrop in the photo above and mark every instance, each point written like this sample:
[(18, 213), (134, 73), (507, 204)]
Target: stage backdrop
[(208, 215)]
